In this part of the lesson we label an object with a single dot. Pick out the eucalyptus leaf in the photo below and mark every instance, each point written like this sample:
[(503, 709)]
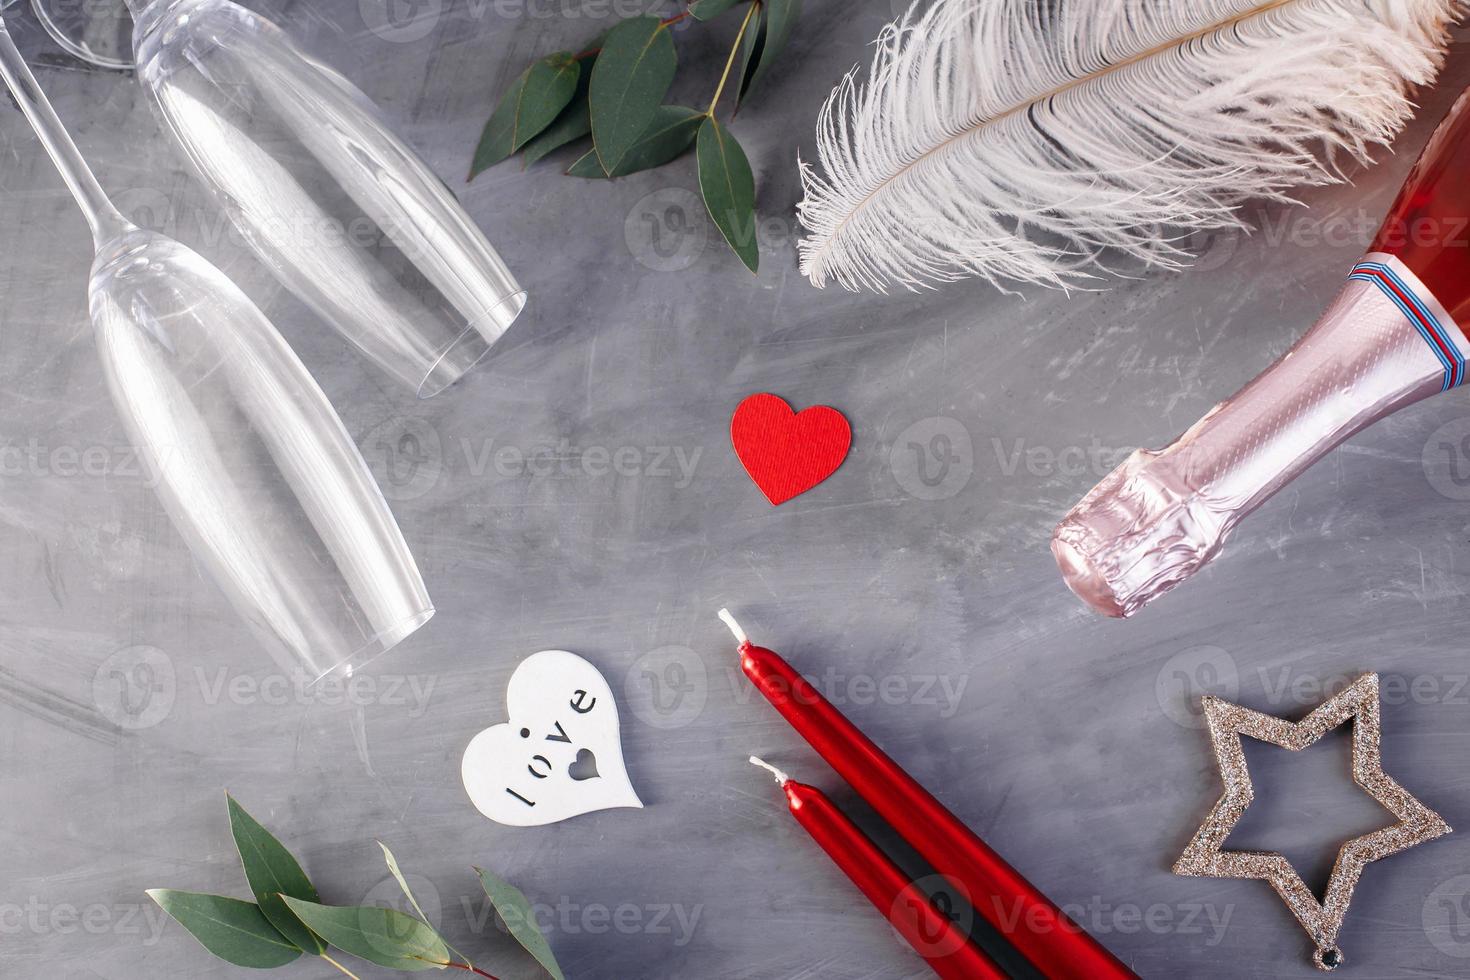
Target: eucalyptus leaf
[(671, 132), (574, 122), (669, 135), (709, 9), (515, 911), (587, 165), (408, 893), (728, 188), (536, 98), (235, 931), (272, 872), (402, 882), (629, 80), (386, 937), (781, 17), (751, 45)]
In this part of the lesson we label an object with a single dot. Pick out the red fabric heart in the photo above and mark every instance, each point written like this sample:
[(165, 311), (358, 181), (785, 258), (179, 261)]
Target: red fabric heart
[(787, 453)]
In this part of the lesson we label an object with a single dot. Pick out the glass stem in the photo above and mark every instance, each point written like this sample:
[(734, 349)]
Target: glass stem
[(105, 220)]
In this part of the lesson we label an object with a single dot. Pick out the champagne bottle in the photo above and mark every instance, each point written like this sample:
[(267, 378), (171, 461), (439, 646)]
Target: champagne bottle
[(1392, 337)]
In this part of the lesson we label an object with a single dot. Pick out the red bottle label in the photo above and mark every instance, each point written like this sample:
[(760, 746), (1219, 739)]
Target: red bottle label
[(1428, 227)]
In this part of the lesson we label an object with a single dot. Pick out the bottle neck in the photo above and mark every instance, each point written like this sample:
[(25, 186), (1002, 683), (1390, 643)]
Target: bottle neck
[(1364, 359), (1384, 343)]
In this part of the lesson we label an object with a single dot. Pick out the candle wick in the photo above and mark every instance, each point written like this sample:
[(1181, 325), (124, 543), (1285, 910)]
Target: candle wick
[(729, 621), (781, 777)]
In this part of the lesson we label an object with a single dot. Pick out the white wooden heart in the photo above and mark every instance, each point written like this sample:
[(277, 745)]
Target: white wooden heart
[(560, 755)]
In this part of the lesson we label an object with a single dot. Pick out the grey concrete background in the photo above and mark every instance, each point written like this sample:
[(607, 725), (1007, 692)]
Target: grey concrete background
[(131, 697)]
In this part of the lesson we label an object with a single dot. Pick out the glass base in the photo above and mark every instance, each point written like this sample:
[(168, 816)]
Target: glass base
[(471, 346), (376, 647), (99, 32)]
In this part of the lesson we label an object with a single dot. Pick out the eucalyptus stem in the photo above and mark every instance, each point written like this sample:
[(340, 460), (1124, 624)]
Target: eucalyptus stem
[(339, 966), (446, 942), (730, 61), (472, 969)]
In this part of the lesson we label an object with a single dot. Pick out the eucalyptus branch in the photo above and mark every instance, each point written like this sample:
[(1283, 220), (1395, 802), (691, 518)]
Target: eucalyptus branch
[(287, 919), (612, 96)]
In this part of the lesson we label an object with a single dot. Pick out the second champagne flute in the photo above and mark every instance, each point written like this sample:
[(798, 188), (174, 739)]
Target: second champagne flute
[(342, 211)]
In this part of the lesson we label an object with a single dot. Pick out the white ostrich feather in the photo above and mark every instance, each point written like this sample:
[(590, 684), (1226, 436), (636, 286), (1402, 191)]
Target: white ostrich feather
[(1028, 140)]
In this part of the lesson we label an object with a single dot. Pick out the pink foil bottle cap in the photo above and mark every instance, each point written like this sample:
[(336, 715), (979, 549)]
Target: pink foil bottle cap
[(1390, 338)]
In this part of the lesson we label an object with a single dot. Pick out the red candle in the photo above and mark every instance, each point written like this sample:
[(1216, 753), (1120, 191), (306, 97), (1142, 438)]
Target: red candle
[(932, 935), (1054, 944)]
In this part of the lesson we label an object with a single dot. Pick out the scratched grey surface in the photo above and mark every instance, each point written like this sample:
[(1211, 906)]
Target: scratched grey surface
[(922, 597)]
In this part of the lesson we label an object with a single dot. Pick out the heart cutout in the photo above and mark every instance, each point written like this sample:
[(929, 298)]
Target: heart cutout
[(561, 753), (787, 453), (583, 767)]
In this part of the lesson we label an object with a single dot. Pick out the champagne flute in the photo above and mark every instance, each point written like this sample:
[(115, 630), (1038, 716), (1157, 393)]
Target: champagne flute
[(342, 211), (253, 465)]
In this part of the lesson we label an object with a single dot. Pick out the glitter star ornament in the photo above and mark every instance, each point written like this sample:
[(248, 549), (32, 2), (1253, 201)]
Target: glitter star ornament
[(1416, 823)]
